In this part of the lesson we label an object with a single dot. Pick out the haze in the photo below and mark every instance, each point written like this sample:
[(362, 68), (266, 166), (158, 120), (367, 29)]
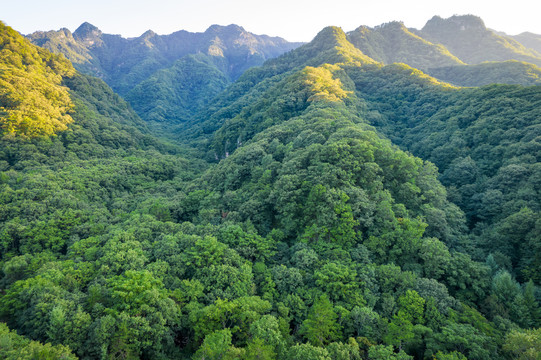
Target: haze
[(292, 20)]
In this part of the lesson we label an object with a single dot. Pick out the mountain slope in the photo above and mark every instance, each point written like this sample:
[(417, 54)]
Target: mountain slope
[(508, 72), (467, 38), (33, 101), (177, 93), (393, 42), (142, 68), (530, 40), (485, 144), (330, 46)]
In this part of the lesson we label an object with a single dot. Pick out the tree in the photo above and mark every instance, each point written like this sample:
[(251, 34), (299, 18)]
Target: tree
[(340, 282), (14, 347), (347, 351), (523, 344), (307, 352), (382, 352), (412, 307), (400, 330), (533, 318), (258, 349), (267, 329), (216, 346), (321, 327)]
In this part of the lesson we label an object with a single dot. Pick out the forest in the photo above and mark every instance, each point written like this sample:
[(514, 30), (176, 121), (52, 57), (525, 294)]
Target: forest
[(334, 202)]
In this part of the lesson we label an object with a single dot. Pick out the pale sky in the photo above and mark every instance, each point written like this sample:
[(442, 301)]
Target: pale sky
[(294, 20)]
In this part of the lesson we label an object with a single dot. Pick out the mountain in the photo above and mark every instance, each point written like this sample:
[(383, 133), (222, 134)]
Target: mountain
[(468, 39), (33, 101), (124, 63), (133, 66), (530, 40), (330, 46), (394, 43)]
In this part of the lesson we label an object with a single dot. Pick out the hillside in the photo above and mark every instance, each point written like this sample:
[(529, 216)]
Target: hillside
[(478, 138), (508, 72), (394, 43), (176, 94), (33, 101), (531, 40)]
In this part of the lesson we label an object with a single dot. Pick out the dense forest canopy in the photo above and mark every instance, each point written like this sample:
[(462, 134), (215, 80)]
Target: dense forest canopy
[(329, 204)]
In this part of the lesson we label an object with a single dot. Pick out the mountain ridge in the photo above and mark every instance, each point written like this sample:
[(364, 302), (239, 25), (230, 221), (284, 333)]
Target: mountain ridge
[(164, 49)]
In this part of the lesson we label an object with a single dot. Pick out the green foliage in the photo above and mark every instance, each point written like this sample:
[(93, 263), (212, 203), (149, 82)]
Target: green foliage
[(216, 346), (176, 93), (523, 344), (13, 346), (381, 352), (507, 72)]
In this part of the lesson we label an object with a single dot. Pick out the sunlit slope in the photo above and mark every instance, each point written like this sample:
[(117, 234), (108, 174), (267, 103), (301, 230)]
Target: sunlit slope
[(33, 101), (394, 43)]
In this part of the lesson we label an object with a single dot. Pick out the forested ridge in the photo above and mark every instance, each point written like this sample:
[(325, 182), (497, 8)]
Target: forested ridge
[(322, 206)]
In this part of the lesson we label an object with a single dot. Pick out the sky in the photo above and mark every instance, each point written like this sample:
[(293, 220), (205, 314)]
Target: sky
[(294, 20)]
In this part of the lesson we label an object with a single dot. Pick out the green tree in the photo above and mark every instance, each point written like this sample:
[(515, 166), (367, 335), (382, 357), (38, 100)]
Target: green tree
[(307, 352), (382, 352), (321, 327), (14, 347), (216, 346), (523, 344)]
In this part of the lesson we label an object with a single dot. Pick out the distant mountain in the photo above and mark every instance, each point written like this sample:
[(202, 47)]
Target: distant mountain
[(135, 65), (393, 42), (528, 39), (124, 63), (468, 38), (472, 55)]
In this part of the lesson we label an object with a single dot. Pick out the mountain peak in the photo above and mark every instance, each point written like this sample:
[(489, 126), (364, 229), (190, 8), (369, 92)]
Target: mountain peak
[(228, 29), (395, 25), (148, 34), (87, 32), (456, 22), (330, 35)]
